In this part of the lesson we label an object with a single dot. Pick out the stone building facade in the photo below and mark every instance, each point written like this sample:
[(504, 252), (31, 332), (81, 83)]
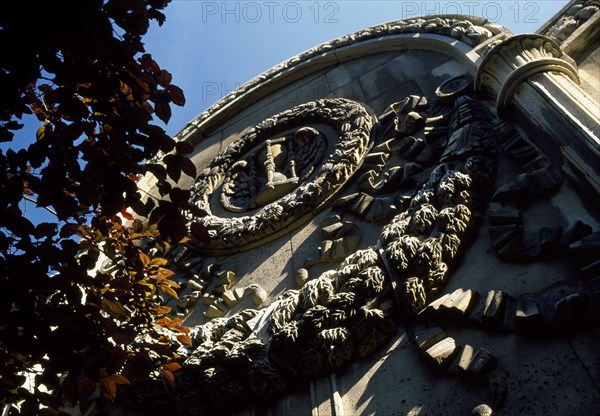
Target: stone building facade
[(401, 221)]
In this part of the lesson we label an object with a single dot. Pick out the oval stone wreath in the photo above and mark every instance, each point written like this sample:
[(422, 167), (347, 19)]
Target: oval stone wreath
[(353, 123)]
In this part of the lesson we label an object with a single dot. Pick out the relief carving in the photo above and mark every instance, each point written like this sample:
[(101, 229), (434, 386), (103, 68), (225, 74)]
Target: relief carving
[(577, 15), (297, 178), (350, 312)]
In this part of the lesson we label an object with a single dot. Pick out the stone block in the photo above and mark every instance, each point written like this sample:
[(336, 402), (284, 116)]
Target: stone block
[(576, 231), (459, 303), (348, 228), (476, 315), (495, 303), (426, 338), (571, 312), (382, 209), (504, 216), (482, 363), (362, 204), (464, 359), (220, 289), (433, 307), (442, 352), (330, 230), (375, 160), (213, 312), (527, 315), (229, 298), (239, 292), (508, 320), (344, 202)]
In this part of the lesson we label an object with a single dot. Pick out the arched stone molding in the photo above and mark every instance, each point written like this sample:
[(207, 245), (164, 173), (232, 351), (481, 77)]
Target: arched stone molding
[(459, 36)]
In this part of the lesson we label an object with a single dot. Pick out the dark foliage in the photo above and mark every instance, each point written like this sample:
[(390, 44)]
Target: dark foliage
[(80, 68)]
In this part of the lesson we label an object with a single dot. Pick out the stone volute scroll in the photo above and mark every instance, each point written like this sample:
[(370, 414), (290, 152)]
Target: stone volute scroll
[(535, 85), (513, 61)]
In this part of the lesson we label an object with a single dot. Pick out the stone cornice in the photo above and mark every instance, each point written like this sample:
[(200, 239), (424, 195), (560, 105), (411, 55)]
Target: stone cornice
[(575, 26)]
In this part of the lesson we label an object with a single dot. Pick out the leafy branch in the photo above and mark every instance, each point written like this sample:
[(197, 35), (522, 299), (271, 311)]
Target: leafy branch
[(71, 324)]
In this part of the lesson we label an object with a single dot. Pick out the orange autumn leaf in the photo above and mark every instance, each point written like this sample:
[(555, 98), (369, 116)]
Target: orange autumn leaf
[(184, 339), (108, 385)]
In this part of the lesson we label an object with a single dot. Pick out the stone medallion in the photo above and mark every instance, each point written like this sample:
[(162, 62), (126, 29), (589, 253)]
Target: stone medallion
[(279, 174)]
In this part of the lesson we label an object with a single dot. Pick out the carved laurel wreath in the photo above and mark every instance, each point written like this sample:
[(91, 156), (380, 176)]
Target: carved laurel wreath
[(353, 124)]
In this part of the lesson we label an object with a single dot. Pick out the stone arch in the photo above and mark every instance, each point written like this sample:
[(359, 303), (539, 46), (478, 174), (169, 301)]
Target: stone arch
[(459, 36)]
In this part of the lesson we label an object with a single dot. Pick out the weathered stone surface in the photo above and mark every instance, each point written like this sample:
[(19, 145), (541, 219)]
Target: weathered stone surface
[(571, 311), (275, 263), (481, 363), (330, 231), (442, 352), (493, 312), (459, 303), (462, 360), (482, 410), (504, 216), (429, 337), (527, 315)]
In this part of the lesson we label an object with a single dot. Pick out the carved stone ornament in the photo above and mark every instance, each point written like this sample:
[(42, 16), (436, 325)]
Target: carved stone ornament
[(512, 61), (346, 313), (579, 13), (284, 177)]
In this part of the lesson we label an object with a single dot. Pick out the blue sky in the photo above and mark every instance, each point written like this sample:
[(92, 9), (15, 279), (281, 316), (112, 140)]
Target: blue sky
[(212, 47)]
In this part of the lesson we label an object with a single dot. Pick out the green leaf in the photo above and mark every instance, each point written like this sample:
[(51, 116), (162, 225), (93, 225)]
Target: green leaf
[(114, 309)]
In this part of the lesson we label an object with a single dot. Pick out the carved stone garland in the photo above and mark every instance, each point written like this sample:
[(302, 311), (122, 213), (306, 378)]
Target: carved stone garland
[(353, 124), (341, 315)]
